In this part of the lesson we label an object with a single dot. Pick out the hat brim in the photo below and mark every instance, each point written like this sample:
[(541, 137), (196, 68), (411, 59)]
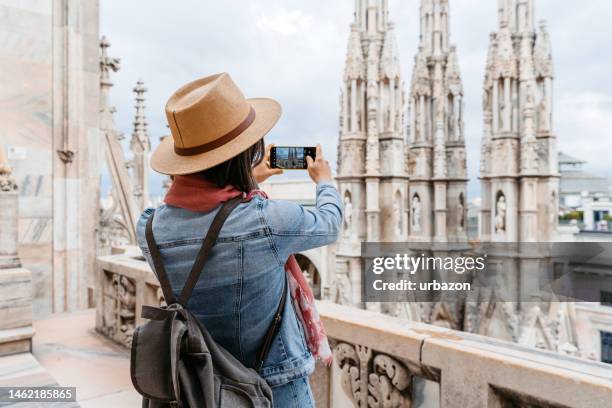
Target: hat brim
[(166, 161)]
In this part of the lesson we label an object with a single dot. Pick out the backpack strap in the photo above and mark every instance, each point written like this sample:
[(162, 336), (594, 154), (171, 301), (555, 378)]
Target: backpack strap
[(158, 264), (209, 241), (198, 265)]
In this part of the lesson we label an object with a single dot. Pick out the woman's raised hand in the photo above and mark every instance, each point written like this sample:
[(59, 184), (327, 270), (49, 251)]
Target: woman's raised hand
[(262, 171), (319, 169)]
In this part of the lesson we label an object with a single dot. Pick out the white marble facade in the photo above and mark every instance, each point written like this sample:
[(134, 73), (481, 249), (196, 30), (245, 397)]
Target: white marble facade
[(395, 191), (49, 123), (519, 172), (437, 158), (372, 176)]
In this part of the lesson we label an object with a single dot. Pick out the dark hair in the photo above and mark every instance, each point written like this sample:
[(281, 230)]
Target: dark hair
[(237, 171)]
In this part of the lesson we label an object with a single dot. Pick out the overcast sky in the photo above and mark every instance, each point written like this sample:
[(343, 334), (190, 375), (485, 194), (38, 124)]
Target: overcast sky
[(294, 51)]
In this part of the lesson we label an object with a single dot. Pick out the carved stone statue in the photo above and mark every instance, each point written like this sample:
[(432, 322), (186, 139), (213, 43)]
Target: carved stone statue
[(416, 213), (348, 215), (461, 213), (370, 379), (553, 209), (500, 214)]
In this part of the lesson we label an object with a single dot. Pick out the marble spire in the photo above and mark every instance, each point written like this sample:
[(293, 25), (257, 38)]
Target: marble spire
[(519, 156), (140, 146), (438, 186), (372, 177)]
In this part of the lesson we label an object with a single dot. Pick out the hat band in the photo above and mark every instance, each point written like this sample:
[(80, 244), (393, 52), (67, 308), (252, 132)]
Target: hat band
[(232, 134)]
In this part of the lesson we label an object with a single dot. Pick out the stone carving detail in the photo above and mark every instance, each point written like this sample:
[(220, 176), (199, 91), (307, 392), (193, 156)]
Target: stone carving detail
[(461, 212), (348, 214), (112, 231), (341, 289), (7, 182), (370, 379), (398, 218), (500, 213), (415, 214), (119, 304)]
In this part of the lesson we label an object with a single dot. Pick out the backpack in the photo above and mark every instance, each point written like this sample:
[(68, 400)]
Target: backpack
[(175, 362)]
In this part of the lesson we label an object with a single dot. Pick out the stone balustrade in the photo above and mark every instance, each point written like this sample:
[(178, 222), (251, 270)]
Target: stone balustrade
[(385, 362)]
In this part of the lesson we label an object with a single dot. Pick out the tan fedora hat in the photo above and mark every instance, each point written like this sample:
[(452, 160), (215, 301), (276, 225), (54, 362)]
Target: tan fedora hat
[(211, 121)]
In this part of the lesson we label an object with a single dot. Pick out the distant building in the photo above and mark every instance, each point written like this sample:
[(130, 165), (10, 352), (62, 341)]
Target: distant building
[(589, 196)]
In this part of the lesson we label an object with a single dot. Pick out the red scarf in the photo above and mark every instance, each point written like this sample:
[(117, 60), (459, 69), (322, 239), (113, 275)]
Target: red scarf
[(193, 193)]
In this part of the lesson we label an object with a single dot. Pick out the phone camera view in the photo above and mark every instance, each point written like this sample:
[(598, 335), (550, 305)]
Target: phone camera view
[(290, 157)]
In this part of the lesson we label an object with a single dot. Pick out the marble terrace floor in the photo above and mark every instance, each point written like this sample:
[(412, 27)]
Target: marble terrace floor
[(68, 352)]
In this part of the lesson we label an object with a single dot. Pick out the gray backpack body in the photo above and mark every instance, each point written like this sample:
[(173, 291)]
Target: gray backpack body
[(175, 362)]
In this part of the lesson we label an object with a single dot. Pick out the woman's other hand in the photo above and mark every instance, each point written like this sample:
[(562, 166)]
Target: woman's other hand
[(318, 169), (262, 171)]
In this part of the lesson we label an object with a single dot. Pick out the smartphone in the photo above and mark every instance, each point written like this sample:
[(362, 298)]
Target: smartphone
[(291, 157)]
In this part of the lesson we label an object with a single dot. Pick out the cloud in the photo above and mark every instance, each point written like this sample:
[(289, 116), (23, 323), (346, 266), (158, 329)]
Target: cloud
[(285, 22), (583, 123), (294, 51)]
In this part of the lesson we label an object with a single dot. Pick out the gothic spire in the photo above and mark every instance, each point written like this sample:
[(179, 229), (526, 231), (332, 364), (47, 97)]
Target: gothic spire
[(371, 16), (453, 72), (505, 62), (490, 64), (354, 67), (107, 64), (140, 133), (435, 30), (543, 53), (517, 15), (420, 75), (389, 64)]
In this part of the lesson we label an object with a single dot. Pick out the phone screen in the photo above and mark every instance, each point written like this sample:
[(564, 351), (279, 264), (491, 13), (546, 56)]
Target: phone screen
[(291, 157)]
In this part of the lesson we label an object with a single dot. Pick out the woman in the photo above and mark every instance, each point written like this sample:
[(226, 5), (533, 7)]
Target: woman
[(216, 153)]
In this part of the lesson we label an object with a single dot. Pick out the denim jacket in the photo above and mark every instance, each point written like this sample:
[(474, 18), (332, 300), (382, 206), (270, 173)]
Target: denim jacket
[(241, 284)]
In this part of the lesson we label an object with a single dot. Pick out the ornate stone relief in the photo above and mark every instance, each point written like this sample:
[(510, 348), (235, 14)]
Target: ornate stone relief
[(7, 182), (372, 379), (348, 214), (500, 213), (119, 304), (415, 214)]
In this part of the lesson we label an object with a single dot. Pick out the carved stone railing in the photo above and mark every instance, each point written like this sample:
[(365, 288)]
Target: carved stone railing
[(125, 283), (385, 362), (381, 361)]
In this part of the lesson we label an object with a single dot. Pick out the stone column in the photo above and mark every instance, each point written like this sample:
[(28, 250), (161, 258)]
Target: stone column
[(15, 282)]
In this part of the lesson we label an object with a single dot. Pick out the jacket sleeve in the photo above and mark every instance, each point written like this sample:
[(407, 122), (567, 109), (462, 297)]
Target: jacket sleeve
[(294, 228)]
